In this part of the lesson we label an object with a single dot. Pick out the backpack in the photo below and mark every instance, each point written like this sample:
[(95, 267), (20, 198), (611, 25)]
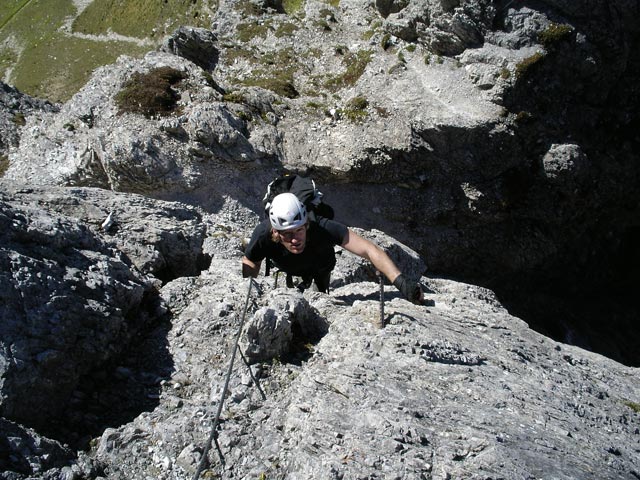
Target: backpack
[(305, 189), (302, 187)]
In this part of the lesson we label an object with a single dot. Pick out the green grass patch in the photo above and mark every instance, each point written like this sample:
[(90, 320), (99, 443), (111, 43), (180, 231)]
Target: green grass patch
[(275, 72), (280, 83), (286, 29), (248, 8), (385, 43), (150, 94), (527, 65), (633, 405), (47, 63), (356, 63), (356, 109), (292, 6), (19, 119), (142, 18), (554, 34), (250, 30), (10, 8), (233, 97), (55, 70)]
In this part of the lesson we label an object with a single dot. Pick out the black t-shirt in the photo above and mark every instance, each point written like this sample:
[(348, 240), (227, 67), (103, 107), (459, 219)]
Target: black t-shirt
[(318, 254)]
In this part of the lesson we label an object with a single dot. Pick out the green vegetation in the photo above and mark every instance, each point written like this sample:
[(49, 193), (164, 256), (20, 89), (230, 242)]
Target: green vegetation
[(18, 119), (247, 8), (292, 6), (282, 84), (9, 9), (356, 109), (633, 406), (47, 62), (141, 18), (233, 97), (276, 73), (356, 64), (250, 30), (385, 43), (429, 58), (375, 26), (526, 66), (151, 93), (286, 29), (4, 165), (314, 106), (554, 34)]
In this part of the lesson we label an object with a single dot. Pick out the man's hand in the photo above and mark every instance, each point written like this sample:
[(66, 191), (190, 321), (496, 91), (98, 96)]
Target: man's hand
[(249, 268), (410, 290)]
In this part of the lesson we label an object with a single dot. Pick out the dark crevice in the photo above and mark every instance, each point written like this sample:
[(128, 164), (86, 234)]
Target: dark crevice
[(121, 388)]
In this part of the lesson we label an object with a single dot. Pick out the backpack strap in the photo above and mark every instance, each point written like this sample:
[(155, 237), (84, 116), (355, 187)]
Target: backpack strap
[(267, 266)]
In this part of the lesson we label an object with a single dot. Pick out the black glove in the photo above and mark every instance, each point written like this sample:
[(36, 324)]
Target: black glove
[(410, 290)]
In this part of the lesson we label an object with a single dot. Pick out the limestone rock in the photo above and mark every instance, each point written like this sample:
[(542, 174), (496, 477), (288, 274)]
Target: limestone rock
[(15, 108), (195, 44), (70, 302)]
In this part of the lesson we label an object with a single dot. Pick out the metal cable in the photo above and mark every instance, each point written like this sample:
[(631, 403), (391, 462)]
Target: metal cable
[(381, 275), (214, 427)]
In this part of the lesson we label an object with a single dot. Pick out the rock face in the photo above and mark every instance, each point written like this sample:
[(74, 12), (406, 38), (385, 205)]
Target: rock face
[(460, 389), (74, 288), (494, 141), (454, 389), (15, 108)]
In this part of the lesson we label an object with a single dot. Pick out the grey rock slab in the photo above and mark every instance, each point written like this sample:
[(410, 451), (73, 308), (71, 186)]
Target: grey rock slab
[(454, 390)]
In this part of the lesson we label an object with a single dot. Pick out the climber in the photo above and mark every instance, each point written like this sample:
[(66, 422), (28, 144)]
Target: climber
[(304, 248)]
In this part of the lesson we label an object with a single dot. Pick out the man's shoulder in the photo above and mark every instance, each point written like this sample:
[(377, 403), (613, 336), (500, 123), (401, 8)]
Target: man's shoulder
[(336, 230)]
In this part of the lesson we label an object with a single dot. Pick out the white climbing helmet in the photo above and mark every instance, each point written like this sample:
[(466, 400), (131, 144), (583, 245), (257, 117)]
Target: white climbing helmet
[(287, 212)]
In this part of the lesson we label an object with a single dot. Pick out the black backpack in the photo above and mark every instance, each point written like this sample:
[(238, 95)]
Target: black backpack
[(302, 187)]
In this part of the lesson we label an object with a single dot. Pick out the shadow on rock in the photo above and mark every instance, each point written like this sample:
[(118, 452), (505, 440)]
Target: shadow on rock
[(118, 391)]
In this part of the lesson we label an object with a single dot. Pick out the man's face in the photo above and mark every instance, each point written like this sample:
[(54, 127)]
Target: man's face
[(294, 240)]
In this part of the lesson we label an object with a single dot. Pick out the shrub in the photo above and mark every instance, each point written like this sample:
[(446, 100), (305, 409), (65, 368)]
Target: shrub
[(151, 93), (554, 34), (526, 66)]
